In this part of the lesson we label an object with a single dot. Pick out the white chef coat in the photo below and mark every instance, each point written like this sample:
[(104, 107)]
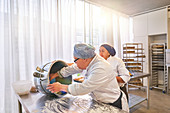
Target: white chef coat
[(101, 82), (120, 68)]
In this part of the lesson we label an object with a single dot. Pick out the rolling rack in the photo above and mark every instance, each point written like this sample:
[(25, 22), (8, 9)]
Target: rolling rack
[(133, 56), (159, 77)]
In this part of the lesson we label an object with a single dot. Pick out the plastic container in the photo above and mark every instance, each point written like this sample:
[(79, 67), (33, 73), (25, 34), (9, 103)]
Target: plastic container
[(22, 87)]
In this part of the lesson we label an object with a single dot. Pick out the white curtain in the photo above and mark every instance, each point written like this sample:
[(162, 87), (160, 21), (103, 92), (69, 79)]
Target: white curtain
[(34, 32), (107, 26), (122, 32)]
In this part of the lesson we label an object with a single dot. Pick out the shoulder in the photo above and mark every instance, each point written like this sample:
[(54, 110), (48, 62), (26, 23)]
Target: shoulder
[(101, 63), (114, 59)]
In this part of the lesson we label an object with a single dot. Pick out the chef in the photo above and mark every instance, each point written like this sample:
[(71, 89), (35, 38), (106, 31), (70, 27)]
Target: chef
[(108, 53), (100, 80)]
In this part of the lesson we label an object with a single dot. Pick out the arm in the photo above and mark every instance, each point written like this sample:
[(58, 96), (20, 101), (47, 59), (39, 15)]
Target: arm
[(123, 73), (94, 81), (96, 78), (66, 71), (53, 75), (70, 70), (80, 88)]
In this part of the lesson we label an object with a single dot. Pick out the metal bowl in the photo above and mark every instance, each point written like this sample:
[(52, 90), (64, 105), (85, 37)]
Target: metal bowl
[(41, 77)]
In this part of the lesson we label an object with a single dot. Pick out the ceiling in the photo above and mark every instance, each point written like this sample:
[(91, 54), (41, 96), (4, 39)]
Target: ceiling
[(132, 7)]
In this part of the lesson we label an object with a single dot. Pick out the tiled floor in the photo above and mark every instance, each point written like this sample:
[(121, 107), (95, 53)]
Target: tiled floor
[(159, 102)]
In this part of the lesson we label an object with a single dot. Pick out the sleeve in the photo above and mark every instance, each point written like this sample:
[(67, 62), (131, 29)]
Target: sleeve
[(70, 70), (123, 72), (95, 80)]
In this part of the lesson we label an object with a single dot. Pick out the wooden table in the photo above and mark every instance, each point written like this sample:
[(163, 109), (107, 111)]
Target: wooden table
[(40, 103), (134, 99)]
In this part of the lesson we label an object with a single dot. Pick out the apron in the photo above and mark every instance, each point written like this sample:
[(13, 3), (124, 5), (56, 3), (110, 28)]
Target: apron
[(125, 91), (118, 102)]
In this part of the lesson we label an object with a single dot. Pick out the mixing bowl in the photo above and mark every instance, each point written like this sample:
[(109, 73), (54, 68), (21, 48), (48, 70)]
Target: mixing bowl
[(41, 77)]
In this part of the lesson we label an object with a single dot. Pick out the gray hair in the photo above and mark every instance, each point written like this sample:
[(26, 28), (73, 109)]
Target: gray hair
[(84, 51)]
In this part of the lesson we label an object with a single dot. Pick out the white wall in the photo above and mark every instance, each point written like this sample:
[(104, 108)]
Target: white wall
[(150, 28)]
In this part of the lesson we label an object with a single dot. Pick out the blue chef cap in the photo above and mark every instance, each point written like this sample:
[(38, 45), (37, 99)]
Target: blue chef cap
[(84, 51), (110, 49)]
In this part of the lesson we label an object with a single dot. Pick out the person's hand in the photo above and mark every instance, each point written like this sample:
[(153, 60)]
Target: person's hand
[(53, 75), (119, 79), (56, 87)]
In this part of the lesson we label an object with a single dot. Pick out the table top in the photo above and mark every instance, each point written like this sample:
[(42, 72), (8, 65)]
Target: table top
[(137, 75), (41, 103)]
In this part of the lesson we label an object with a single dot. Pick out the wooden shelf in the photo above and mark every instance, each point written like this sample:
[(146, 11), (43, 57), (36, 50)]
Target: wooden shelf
[(134, 68), (133, 56), (129, 47), (129, 52), (133, 64)]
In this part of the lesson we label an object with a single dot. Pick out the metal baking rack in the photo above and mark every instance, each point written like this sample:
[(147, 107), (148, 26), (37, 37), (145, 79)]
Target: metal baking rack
[(159, 78)]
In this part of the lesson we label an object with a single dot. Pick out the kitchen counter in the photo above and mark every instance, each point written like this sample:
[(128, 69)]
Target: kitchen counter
[(40, 103)]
